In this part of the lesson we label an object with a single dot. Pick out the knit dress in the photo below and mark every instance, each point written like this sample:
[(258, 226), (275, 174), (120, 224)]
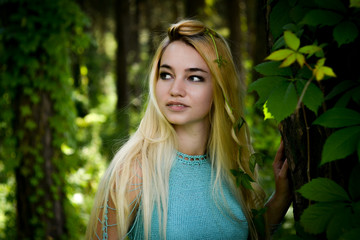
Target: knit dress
[(193, 213)]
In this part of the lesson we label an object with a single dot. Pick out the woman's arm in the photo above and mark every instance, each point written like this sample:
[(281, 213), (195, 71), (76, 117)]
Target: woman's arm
[(280, 201), (107, 227)]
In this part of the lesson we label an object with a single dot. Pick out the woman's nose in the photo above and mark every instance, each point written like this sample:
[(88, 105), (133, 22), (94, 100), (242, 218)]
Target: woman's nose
[(178, 88)]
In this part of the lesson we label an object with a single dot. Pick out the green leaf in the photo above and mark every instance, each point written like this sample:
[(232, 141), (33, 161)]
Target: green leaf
[(279, 54), (338, 117), (291, 237), (313, 97), (355, 3), (291, 40), (320, 70), (256, 158), (318, 17), (340, 144), (291, 27), (340, 88), (282, 101), (339, 224), (298, 12), (345, 32), (310, 49), (356, 95), (264, 86), (354, 183), (328, 71), (267, 114), (272, 69), (351, 235), (242, 178), (234, 172), (259, 221), (335, 5), (346, 97), (239, 123), (300, 59), (323, 190), (246, 181), (316, 217), (30, 124), (356, 207), (289, 60), (358, 150), (279, 18), (25, 110), (278, 44)]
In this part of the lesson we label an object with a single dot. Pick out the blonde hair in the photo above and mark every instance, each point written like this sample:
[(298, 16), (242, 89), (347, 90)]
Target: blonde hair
[(152, 147)]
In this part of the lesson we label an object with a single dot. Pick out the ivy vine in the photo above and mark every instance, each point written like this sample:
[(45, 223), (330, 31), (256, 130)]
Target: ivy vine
[(37, 39), (293, 77)]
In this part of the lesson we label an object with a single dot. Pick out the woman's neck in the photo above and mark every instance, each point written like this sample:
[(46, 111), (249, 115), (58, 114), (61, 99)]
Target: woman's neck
[(193, 140)]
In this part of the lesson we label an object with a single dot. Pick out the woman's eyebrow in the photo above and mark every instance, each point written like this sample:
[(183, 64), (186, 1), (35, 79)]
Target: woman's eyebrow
[(166, 66), (195, 69)]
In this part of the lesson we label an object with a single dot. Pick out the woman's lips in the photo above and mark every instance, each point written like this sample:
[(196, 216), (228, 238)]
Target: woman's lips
[(176, 106)]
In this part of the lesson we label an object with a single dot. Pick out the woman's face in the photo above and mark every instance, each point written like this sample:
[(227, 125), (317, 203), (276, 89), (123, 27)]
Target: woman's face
[(184, 89)]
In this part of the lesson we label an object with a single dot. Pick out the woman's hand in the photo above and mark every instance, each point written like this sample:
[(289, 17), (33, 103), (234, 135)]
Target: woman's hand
[(281, 199), (280, 168)]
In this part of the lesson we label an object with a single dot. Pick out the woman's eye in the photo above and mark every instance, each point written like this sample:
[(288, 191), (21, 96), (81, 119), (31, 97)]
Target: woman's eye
[(165, 76), (196, 79)]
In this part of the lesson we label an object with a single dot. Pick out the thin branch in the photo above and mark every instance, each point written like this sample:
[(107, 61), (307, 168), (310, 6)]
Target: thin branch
[(303, 93), (307, 142)]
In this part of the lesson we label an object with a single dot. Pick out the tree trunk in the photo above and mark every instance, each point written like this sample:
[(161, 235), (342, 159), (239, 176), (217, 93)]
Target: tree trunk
[(235, 38), (256, 44), (122, 22), (193, 8), (303, 140), (122, 15), (39, 199)]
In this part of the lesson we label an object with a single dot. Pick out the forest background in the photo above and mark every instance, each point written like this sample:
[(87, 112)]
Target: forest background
[(73, 83)]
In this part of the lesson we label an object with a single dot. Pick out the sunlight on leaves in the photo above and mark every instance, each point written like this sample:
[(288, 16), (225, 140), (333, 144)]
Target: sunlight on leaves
[(282, 101), (320, 70), (279, 54), (267, 114), (310, 49), (66, 149), (291, 40), (289, 60)]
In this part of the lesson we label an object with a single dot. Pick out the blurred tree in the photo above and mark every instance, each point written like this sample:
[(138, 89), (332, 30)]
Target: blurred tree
[(38, 114), (122, 33), (194, 8), (233, 14)]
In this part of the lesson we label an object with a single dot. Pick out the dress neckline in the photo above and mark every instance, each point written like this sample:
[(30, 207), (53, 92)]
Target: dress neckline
[(191, 159)]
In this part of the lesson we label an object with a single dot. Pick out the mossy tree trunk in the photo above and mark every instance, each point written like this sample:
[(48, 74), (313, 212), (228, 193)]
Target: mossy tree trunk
[(39, 199)]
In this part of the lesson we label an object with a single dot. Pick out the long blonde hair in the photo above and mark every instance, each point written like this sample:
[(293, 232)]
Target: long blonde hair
[(153, 144)]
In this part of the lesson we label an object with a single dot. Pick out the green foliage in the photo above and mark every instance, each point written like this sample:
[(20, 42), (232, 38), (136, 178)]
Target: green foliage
[(294, 76), (324, 190), (283, 95), (345, 141), (259, 221), (242, 178), (36, 41), (335, 212)]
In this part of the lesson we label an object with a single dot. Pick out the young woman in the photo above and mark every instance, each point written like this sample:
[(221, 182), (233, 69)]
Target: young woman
[(172, 179)]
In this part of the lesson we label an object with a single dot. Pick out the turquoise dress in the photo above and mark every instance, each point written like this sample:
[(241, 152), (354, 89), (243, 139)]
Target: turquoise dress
[(192, 211)]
